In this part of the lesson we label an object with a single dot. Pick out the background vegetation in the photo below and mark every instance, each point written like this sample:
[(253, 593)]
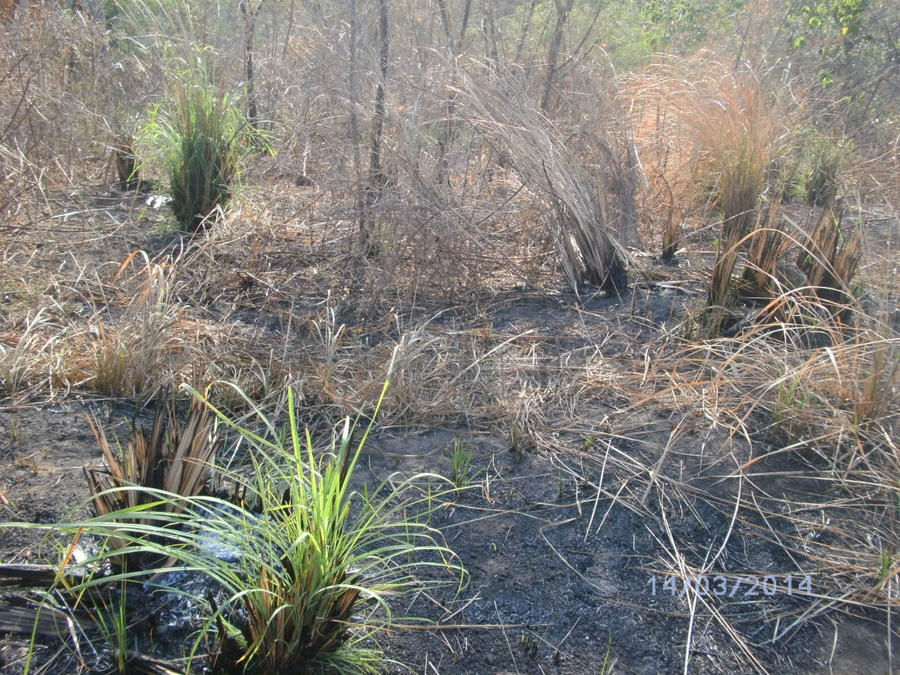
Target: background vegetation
[(325, 188)]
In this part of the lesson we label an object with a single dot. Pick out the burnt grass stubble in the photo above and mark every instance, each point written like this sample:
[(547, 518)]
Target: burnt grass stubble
[(545, 595)]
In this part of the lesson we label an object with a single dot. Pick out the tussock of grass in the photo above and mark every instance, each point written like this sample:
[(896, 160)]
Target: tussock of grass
[(137, 358), (314, 561), (202, 133), (172, 457), (18, 361), (330, 553), (585, 215), (768, 245)]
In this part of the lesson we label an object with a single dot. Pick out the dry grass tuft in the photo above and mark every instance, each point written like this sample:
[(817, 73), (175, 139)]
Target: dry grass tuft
[(824, 415), (768, 245), (138, 357), (173, 457), (22, 368), (830, 260), (707, 137), (584, 212)]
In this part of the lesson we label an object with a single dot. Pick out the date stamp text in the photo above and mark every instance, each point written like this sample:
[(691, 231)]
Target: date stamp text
[(741, 586)]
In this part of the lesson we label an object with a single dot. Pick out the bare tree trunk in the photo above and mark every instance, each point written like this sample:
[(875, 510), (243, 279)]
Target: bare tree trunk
[(455, 46), (250, 15), (584, 48), (361, 217), (290, 29), (376, 172), (489, 29), (376, 177), (562, 15), (445, 22), (526, 29)]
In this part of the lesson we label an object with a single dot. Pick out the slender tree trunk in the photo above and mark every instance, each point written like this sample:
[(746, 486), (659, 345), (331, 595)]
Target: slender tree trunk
[(562, 15), (361, 217), (584, 48), (740, 54), (467, 8), (376, 178), (526, 29), (287, 35), (489, 29), (445, 22), (455, 45), (376, 172), (250, 15)]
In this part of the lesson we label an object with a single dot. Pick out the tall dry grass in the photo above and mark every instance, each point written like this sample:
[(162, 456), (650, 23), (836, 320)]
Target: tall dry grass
[(584, 212), (707, 136), (137, 356), (66, 88), (814, 406)]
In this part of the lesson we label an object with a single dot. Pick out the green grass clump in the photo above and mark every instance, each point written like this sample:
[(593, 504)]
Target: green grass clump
[(318, 559), (461, 463), (204, 136), (312, 561)]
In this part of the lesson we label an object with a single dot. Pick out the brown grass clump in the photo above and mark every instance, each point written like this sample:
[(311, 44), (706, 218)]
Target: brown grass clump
[(584, 212), (173, 457), (737, 128), (768, 245), (829, 405), (830, 259), (25, 363), (818, 290), (707, 137), (666, 150), (135, 359), (736, 131)]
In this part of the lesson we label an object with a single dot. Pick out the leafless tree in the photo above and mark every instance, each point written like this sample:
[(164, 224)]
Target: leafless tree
[(455, 47)]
